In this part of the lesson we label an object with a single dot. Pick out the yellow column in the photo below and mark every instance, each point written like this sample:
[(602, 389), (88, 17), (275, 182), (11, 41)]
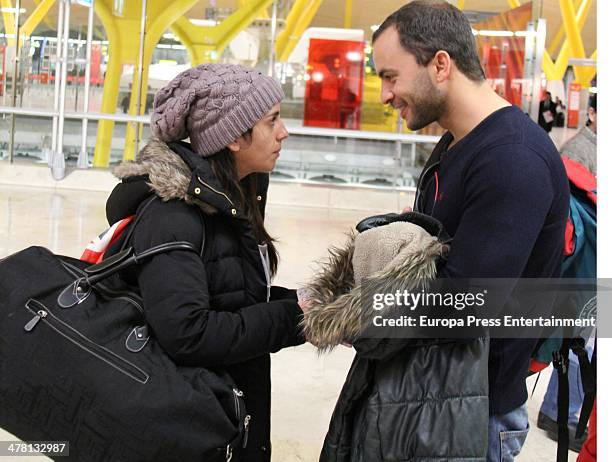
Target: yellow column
[(556, 41), (202, 41), (184, 37), (348, 13), (298, 20), (39, 13), (564, 54), (122, 34), (9, 22), (46, 18), (514, 3), (158, 21), (112, 79), (130, 133), (573, 34)]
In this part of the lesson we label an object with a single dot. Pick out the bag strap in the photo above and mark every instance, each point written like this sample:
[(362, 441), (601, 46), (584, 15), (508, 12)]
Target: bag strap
[(589, 385), (561, 364), (139, 215)]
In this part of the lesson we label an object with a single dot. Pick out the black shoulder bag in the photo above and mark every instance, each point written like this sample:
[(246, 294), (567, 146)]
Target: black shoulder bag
[(77, 364)]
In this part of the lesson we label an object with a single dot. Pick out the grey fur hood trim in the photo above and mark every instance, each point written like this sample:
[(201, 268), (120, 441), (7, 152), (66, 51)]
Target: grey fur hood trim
[(169, 176), (337, 311)]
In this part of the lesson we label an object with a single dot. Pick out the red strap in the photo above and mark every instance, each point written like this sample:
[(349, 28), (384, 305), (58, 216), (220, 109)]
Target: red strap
[(581, 177), (568, 248), (537, 366)]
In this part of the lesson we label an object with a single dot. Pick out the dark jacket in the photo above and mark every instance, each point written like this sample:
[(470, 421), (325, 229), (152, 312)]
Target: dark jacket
[(502, 193), (209, 311), (403, 399), (547, 106)]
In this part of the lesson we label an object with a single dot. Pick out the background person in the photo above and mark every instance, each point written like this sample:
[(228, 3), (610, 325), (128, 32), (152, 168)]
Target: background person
[(546, 112)]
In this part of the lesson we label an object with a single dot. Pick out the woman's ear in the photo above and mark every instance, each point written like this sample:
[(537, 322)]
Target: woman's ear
[(234, 146)]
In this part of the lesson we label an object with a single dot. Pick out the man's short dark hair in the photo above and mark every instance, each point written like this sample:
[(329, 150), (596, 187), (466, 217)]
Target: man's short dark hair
[(593, 101), (426, 27)]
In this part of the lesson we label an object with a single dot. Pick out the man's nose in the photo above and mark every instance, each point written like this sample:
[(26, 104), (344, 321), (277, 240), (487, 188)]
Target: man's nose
[(386, 95)]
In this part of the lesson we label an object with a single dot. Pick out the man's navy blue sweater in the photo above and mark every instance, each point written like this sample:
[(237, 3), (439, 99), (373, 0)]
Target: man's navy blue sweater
[(502, 193)]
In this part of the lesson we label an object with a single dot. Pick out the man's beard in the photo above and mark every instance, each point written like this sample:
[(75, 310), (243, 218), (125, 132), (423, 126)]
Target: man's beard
[(426, 103)]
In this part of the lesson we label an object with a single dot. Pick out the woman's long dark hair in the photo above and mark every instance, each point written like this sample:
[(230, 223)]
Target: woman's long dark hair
[(244, 194)]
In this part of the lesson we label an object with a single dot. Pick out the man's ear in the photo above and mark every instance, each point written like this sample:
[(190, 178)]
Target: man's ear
[(591, 113), (441, 66), (234, 146)]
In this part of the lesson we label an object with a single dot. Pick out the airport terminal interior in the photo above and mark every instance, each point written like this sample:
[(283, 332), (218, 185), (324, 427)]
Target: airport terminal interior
[(77, 84)]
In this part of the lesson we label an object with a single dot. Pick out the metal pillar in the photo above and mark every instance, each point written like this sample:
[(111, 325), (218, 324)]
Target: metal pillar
[(14, 82), (143, 32), (58, 169), (58, 73), (83, 161), (536, 83), (272, 57)]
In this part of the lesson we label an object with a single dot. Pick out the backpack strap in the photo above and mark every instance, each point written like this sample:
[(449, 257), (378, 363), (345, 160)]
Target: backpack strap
[(561, 364), (589, 383)]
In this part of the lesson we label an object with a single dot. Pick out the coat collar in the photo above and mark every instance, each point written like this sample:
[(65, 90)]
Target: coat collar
[(174, 171)]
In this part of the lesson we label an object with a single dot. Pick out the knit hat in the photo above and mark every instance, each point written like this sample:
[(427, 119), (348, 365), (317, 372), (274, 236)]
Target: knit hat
[(213, 105)]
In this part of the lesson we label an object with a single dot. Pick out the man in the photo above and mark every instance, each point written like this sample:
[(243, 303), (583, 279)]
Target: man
[(495, 180), (546, 112), (583, 146)]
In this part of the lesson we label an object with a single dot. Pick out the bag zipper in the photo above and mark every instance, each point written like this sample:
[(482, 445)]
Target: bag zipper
[(238, 395), (42, 313)]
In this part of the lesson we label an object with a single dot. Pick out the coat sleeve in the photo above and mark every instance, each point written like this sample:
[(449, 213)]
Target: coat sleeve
[(177, 303)]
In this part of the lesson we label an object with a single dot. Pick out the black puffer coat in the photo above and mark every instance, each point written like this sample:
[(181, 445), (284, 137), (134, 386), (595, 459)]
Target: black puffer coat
[(404, 399), (206, 311)]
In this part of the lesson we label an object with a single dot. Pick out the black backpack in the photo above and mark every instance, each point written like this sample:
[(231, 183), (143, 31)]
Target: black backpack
[(77, 364)]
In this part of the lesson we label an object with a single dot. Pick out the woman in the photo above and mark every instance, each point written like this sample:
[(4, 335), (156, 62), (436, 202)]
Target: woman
[(216, 309)]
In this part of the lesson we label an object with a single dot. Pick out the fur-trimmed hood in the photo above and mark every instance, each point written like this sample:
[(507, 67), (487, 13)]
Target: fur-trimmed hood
[(166, 173), (339, 308)]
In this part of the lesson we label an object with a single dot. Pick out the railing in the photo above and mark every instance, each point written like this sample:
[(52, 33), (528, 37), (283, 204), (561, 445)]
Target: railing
[(300, 161)]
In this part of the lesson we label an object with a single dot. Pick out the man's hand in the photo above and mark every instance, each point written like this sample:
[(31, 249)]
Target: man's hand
[(407, 209)]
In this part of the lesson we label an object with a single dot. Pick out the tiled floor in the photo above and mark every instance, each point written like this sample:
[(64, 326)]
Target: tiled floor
[(305, 385)]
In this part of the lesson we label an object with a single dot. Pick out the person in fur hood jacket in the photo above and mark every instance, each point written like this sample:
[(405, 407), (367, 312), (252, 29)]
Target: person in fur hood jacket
[(422, 400), (216, 308)]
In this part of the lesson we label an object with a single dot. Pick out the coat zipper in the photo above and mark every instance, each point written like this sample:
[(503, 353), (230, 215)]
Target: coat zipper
[(214, 190), (42, 313)]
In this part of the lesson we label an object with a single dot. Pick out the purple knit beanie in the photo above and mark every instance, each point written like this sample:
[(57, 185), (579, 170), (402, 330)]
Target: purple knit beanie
[(213, 104)]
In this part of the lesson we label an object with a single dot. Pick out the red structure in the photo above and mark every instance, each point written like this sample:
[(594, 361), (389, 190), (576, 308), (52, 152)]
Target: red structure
[(2, 68), (503, 58), (573, 105), (334, 87)]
